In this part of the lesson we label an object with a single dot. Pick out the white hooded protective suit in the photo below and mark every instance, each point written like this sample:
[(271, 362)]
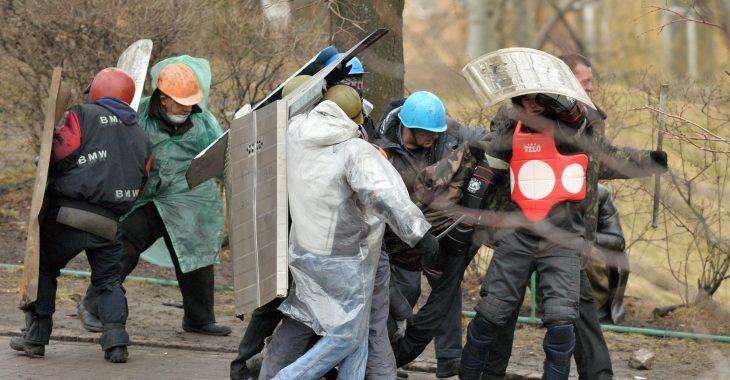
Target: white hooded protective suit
[(342, 191)]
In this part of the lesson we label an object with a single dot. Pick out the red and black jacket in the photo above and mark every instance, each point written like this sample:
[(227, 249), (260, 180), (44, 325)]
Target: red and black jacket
[(100, 159)]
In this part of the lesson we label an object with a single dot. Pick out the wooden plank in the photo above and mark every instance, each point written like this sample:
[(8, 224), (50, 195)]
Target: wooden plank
[(663, 90), (54, 109)]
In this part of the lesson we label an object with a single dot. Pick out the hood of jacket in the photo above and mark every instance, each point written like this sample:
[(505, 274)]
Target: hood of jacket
[(325, 125), (124, 112)]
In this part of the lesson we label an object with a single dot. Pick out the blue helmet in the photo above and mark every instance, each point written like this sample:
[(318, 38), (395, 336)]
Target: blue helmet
[(423, 110), (354, 64)]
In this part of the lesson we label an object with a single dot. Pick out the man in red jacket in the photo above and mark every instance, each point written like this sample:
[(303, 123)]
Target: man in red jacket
[(100, 161)]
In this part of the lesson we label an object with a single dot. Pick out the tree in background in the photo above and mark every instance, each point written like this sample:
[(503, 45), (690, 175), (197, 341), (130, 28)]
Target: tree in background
[(84, 36), (352, 20), (249, 54)]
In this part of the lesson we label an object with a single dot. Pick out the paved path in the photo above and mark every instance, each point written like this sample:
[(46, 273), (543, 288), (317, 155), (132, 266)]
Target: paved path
[(75, 360), (72, 360)]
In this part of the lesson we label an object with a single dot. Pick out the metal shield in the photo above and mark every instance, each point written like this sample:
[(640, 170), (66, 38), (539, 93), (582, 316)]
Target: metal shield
[(252, 154), (257, 206), (134, 60), (506, 73)]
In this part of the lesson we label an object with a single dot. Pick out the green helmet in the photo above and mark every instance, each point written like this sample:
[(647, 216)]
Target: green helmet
[(293, 84), (349, 101)]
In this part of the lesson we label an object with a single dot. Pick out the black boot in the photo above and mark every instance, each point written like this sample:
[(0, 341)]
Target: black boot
[(116, 354), (114, 341), (447, 368), (209, 329), (18, 343)]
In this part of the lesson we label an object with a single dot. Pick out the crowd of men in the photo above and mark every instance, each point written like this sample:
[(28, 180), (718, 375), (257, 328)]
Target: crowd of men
[(367, 200)]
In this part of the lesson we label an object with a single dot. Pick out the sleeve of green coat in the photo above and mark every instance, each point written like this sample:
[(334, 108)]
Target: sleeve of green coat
[(214, 129)]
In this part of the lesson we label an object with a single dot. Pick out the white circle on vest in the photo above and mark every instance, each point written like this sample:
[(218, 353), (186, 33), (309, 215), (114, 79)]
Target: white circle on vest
[(536, 179), (572, 178), (511, 181)]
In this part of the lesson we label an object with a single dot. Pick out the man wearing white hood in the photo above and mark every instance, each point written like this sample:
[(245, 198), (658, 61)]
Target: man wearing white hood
[(342, 191)]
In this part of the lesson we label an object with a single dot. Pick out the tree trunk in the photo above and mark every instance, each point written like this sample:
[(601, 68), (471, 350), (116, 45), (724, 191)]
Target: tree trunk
[(481, 27), (668, 43), (691, 29), (384, 60), (589, 29), (605, 30), (726, 11), (524, 24)]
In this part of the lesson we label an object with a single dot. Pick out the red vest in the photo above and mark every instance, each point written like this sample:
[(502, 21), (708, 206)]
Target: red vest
[(540, 176)]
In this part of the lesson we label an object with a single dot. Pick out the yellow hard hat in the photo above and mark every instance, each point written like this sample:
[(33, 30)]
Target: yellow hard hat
[(293, 84), (349, 101), (179, 82)]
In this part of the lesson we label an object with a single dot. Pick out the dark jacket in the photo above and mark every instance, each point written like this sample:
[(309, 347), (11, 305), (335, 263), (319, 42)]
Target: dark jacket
[(410, 162), (606, 161), (100, 158), (609, 256)]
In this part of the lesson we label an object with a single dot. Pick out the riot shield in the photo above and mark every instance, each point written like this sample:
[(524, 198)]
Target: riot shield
[(253, 159), (134, 60), (211, 161), (257, 206), (506, 73)]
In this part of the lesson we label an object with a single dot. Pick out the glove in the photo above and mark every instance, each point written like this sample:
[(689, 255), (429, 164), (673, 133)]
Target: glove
[(562, 108), (659, 158), (429, 248), (471, 217), (337, 74)]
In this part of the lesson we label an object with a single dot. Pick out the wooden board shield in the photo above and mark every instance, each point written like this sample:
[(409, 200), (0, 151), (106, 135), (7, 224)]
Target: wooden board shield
[(58, 100)]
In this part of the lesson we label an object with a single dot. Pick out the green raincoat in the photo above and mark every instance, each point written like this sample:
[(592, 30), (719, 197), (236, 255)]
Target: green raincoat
[(193, 217)]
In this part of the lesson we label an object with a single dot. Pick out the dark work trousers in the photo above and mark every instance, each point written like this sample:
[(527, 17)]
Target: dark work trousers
[(445, 298), (591, 353), (60, 244), (262, 325), (447, 337), (140, 230), (516, 255)]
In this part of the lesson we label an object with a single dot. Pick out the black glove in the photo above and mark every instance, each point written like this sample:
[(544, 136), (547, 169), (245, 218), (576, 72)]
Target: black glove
[(429, 248), (337, 74), (659, 158)]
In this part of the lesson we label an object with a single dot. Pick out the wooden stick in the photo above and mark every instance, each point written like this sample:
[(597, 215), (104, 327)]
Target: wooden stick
[(659, 144), (29, 282)]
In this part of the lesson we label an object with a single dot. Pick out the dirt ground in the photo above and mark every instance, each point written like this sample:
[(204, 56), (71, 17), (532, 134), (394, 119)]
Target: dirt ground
[(152, 321)]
